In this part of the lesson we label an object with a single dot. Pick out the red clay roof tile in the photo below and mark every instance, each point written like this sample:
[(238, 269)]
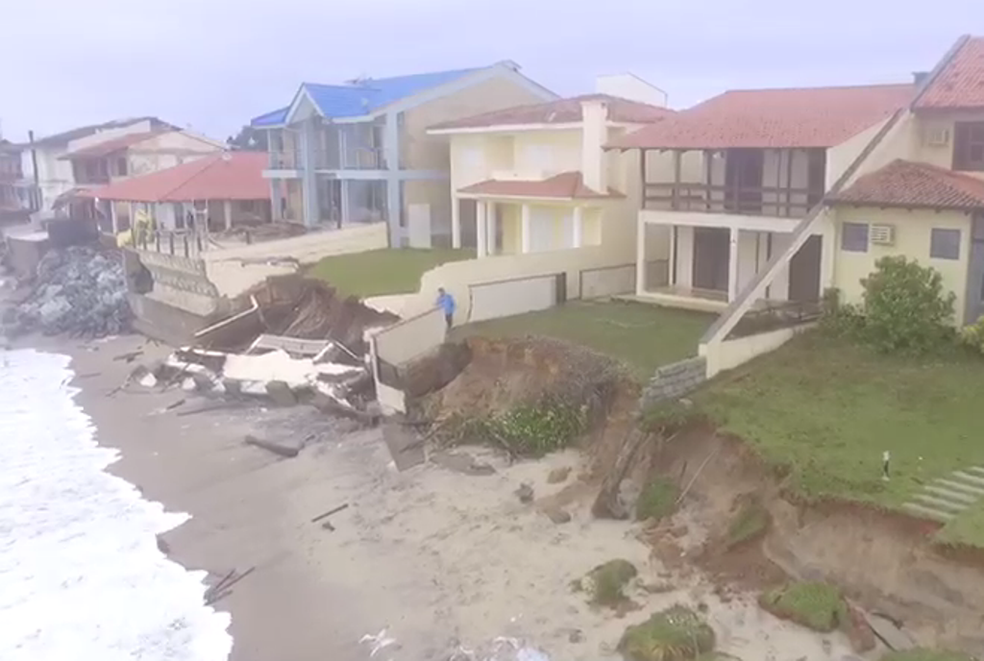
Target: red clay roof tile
[(960, 85), (234, 175), (907, 184), (562, 111), (566, 185), (773, 118)]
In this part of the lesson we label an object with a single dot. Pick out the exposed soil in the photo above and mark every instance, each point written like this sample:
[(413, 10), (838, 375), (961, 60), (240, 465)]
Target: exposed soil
[(884, 562)]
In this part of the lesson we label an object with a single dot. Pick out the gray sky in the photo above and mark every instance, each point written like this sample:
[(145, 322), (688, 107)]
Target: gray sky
[(213, 64)]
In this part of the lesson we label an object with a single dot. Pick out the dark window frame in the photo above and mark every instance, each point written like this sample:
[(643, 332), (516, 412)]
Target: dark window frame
[(942, 249), (968, 146), (853, 244)]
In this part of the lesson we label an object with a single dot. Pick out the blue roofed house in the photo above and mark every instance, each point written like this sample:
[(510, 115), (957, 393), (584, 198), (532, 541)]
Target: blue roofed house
[(360, 152)]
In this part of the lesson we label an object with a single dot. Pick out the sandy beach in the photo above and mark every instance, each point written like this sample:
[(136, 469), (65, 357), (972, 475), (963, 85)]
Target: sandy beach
[(440, 559)]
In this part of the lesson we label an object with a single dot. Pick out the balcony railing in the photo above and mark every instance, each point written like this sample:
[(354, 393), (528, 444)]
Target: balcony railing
[(355, 159), (764, 201)]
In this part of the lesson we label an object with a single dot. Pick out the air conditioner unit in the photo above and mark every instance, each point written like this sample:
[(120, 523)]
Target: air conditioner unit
[(883, 235), (938, 137)]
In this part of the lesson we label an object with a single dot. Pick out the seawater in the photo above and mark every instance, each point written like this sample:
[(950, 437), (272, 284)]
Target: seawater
[(81, 577)]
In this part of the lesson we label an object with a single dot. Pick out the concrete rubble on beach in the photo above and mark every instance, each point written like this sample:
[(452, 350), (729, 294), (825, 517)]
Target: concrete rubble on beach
[(293, 340), (79, 291)]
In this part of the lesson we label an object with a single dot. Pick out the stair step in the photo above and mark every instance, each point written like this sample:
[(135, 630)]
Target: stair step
[(975, 480), (951, 494), (927, 512), (939, 503), (960, 486), (975, 470)]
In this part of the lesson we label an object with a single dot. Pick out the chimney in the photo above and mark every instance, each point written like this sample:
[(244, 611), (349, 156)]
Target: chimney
[(594, 136), (919, 76)]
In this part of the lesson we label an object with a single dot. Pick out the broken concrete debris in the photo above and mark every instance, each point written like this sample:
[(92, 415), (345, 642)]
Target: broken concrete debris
[(558, 475), (79, 291), (281, 449)]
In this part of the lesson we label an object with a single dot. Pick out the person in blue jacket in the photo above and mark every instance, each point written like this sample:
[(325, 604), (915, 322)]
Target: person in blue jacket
[(445, 301)]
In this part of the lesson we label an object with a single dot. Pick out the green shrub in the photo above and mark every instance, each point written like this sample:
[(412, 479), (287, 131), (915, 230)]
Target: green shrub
[(927, 655), (526, 430), (658, 499), (972, 336), (818, 606), (905, 307), (675, 634), (606, 582), (751, 523), (838, 318)]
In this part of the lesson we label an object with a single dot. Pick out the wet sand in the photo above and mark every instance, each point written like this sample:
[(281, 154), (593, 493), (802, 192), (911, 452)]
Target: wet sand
[(436, 557)]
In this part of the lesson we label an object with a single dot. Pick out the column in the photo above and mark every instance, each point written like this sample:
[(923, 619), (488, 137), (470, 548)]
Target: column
[(481, 230), (309, 177), (344, 212), (491, 221), (733, 265), (276, 206), (640, 257), (113, 219), (394, 198), (133, 215), (525, 228), (455, 222), (227, 209), (578, 227), (672, 268)]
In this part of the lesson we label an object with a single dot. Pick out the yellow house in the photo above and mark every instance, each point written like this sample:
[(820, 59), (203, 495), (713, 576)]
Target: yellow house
[(536, 178)]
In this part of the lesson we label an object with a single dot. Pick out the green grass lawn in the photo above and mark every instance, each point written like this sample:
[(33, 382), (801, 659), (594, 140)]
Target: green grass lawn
[(826, 410), (641, 336), (385, 271)]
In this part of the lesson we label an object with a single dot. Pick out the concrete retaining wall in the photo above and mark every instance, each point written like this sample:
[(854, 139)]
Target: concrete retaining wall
[(492, 300), (234, 270), (729, 354), (673, 381), (610, 281)]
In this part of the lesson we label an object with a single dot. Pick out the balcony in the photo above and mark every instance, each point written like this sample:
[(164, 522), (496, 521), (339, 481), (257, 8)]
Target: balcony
[(748, 201), (362, 158)]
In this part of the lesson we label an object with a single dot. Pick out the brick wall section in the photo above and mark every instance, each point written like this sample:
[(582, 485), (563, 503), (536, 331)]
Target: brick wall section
[(674, 381)]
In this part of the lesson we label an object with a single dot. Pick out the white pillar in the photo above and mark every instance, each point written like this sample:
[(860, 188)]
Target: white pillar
[(640, 257), (112, 216), (455, 222), (733, 265), (133, 214), (227, 208), (490, 218), (481, 230), (672, 267), (525, 228), (578, 227)]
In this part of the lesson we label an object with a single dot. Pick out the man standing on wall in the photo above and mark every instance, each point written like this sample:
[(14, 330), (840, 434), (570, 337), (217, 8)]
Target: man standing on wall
[(445, 301)]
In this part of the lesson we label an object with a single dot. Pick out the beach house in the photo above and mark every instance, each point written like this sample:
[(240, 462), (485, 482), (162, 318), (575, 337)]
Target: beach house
[(359, 152)]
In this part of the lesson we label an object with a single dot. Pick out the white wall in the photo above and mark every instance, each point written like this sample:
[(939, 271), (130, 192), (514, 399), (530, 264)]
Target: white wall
[(166, 151)]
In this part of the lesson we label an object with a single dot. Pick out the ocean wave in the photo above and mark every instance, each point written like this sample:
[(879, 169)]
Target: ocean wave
[(81, 576)]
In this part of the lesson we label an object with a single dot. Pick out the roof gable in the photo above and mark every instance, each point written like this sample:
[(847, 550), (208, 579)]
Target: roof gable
[(774, 118), (561, 111), (960, 84)]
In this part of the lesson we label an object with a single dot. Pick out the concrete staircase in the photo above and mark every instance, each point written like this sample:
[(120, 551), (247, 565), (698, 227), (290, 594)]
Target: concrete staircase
[(947, 497)]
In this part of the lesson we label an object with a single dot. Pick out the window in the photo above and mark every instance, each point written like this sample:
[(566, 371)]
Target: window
[(854, 237), (944, 244), (121, 168), (968, 146)]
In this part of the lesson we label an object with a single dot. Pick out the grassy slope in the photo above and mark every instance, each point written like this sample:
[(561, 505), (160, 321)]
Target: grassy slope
[(827, 410), (642, 336), (384, 271)]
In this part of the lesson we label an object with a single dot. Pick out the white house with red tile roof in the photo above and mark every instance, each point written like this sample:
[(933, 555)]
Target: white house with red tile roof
[(536, 178), (745, 167), (779, 195)]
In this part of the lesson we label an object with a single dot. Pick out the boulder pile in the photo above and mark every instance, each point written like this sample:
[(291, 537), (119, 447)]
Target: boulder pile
[(79, 291)]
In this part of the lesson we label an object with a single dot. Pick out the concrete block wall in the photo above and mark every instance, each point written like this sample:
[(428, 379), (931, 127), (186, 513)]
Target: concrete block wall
[(673, 381)]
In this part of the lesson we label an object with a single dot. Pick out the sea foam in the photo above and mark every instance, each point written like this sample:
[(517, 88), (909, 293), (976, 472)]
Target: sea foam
[(81, 577)]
